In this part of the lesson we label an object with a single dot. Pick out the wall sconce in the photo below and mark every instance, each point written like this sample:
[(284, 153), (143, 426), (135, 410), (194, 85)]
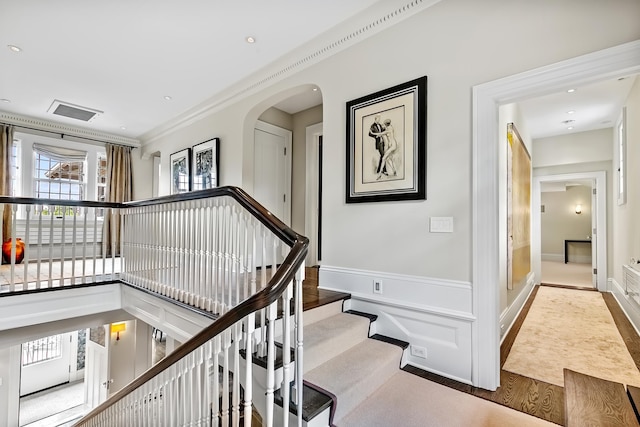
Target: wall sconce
[(578, 209), (117, 328)]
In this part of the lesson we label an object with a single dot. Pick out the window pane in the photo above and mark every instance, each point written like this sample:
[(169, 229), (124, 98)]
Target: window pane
[(40, 350), (58, 180)]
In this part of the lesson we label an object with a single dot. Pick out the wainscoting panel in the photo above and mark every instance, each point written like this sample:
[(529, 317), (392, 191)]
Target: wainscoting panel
[(626, 302), (177, 322), (50, 306), (433, 315), (509, 315)]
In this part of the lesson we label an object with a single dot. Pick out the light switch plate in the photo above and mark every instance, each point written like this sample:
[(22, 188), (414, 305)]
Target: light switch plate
[(441, 224)]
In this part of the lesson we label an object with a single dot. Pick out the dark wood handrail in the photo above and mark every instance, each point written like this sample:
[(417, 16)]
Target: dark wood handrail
[(276, 286)]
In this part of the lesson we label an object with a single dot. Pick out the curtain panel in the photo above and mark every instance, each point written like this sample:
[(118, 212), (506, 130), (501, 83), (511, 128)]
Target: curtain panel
[(6, 142), (119, 188)]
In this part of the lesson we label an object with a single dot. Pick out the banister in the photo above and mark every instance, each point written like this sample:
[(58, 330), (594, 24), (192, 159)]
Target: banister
[(262, 299), (282, 277)]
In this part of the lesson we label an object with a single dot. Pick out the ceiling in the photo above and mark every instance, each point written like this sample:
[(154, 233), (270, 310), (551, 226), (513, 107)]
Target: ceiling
[(122, 58), (585, 108)]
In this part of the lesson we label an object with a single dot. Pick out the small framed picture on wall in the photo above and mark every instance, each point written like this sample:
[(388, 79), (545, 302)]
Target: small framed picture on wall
[(205, 165), (180, 171)]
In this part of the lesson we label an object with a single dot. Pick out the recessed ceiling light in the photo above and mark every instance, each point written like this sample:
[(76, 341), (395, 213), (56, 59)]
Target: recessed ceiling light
[(123, 128), (5, 100), (571, 90), (571, 112), (250, 39), (570, 127), (168, 98), (315, 89), (14, 48)]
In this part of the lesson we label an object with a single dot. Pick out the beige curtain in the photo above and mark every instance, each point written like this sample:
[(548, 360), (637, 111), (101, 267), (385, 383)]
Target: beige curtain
[(6, 141), (119, 189)]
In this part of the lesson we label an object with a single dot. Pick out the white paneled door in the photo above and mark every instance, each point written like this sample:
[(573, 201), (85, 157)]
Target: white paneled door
[(272, 170)]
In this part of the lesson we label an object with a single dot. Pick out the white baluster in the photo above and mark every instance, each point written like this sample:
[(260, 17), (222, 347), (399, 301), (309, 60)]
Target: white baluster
[(13, 210), (248, 374), (286, 353), (73, 247), (95, 238), (27, 243), (271, 351), (299, 278), (237, 332), (51, 237), (38, 278), (85, 244)]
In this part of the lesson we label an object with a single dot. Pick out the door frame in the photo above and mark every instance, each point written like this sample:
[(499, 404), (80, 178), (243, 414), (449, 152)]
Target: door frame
[(486, 99), (314, 133), (599, 180)]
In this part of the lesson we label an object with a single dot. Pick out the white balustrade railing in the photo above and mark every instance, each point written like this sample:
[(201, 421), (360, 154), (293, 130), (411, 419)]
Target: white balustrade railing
[(215, 250), (54, 243)]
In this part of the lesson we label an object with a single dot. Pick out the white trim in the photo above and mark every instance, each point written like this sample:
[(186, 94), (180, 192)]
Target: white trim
[(600, 179), (509, 316), (73, 133), (620, 157), (447, 298), (313, 132), (609, 63), (630, 309)]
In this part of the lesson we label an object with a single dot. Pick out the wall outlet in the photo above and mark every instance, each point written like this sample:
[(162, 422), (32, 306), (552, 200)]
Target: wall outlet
[(377, 286), (418, 351)]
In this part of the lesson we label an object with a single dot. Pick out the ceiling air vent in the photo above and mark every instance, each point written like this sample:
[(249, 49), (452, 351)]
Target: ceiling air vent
[(72, 111)]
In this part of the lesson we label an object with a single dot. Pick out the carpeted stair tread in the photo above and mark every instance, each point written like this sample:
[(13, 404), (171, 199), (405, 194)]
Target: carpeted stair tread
[(356, 373), (326, 339)]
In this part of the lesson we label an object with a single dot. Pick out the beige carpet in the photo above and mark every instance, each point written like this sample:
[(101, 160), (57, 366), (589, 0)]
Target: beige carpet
[(409, 401), (568, 328), (572, 274)]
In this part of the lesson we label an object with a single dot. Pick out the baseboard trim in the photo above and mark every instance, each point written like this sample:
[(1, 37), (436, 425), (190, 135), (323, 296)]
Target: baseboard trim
[(511, 313), (628, 307)]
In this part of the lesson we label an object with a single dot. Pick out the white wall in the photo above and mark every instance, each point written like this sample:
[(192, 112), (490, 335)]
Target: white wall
[(579, 147), (626, 227), (457, 44)]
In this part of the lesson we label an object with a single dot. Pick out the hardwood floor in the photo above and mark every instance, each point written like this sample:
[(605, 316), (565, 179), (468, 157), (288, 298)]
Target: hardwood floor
[(524, 394)]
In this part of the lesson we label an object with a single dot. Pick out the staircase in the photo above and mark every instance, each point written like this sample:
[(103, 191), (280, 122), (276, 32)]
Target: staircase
[(343, 363)]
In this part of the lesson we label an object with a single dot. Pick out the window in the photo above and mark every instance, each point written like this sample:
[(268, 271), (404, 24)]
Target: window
[(15, 167), (60, 180), (58, 174), (621, 157), (48, 348), (102, 177)]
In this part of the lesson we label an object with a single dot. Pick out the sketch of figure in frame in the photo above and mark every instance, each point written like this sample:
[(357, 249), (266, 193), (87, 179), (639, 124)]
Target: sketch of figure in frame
[(386, 162), (203, 169), (180, 176)]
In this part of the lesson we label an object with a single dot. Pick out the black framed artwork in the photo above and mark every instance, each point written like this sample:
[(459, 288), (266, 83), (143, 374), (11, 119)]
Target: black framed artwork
[(386, 144), (205, 165), (180, 171)]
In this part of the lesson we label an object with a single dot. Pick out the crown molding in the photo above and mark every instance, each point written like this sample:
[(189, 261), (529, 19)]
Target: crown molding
[(381, 16), (30, 123)]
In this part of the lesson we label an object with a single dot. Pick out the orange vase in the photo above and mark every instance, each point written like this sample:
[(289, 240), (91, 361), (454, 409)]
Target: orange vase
[(6, 251)]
